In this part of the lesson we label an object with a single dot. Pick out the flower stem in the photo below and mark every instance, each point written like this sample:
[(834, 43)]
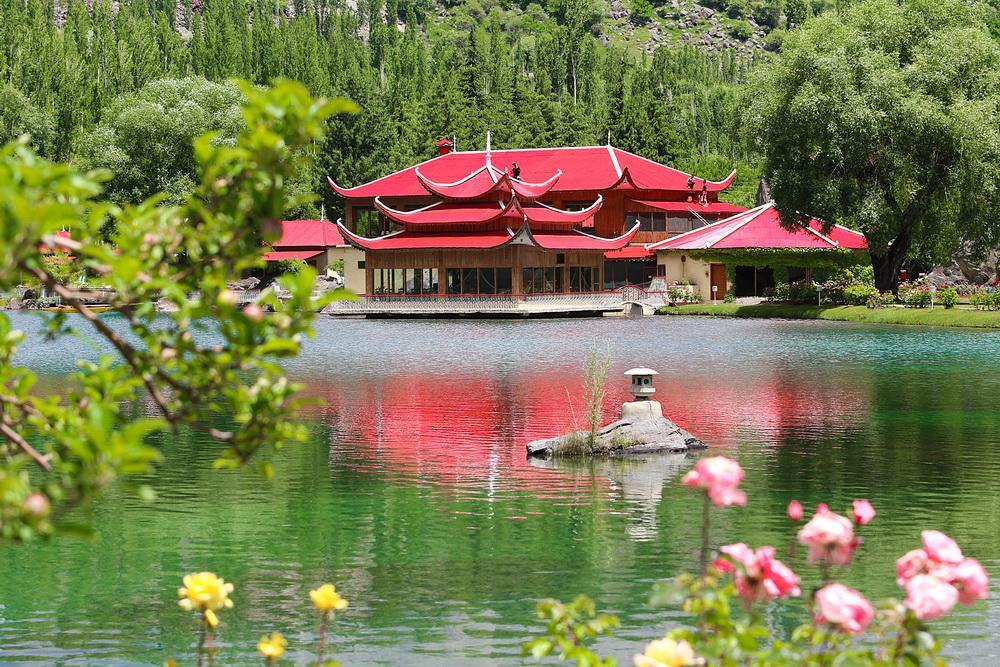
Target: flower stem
[(202, 632), (322, 638), (704, 537)]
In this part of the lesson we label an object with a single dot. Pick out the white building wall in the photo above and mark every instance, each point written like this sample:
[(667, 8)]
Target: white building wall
[(698, 272)]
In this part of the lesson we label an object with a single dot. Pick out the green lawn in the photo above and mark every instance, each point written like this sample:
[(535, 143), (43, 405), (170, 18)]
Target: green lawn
[(938, 317)]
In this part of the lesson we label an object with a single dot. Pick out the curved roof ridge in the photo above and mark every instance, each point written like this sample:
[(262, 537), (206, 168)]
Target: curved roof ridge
[(750, 213), (464, 179)]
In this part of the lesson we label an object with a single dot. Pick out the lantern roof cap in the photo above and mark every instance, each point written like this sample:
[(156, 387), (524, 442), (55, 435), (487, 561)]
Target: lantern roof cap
[(640, 371)]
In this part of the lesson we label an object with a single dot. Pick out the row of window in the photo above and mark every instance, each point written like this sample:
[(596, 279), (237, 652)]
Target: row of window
[(489, 280), (661, 222)]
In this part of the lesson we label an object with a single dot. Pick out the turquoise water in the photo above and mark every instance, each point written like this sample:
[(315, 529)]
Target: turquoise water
[(415, 498)]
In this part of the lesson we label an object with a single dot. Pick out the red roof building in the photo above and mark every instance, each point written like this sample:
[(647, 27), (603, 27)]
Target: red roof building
[(701, 256), (522, 221), (320, 244)]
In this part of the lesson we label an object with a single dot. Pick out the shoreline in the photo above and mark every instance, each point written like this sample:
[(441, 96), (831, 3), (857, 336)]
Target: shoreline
[(939, 317)]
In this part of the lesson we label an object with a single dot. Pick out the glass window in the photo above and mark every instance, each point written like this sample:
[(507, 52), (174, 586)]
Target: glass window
[(453, 281), (470, 284), (487, 281), (504, 281), (397, 281), (430, 281), (411, 281)]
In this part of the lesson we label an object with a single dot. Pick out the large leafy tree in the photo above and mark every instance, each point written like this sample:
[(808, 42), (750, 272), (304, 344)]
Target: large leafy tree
[(884, 118), (146, 137), (206, 365), (19, 116)]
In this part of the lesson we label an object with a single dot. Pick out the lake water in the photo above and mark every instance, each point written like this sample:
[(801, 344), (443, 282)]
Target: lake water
[(414, 495)]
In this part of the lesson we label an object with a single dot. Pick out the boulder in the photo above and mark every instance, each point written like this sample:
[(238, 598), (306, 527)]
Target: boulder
[(624, 437), (14, 304), (165, 305), (244, 284)]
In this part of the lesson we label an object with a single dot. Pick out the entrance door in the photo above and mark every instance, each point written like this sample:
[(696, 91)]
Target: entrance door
[(718, 274)]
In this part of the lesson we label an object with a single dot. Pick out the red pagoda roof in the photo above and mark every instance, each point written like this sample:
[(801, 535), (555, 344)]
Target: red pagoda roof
[(486, 181), (481, 213), (570, 239), (308, 234), (761, 228), (465, 174)]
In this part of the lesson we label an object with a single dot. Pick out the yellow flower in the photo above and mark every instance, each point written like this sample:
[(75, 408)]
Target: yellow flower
[(327, 599), (666, 653), (272, 647), (205, 592)]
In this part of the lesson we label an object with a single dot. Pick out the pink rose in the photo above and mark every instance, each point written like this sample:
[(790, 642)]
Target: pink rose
[(761, 577), (719, 476), (930, 597), (910, 565), (830, 537), (795, 510), (941, 548), (973, 582), (863, 512), (781, 581), (843, 607)]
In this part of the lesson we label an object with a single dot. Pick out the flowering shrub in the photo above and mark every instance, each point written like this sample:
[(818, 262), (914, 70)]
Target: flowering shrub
[(880, 300), (842, 628), (914, 295)]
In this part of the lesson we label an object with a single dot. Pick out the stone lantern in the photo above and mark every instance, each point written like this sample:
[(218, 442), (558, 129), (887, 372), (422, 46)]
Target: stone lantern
[(642, 389), (642, 382)]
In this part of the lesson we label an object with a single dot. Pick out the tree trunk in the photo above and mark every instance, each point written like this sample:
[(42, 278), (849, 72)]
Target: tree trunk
[(888, 264)]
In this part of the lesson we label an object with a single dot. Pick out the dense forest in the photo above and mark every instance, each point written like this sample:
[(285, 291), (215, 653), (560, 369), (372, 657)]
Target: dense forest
[(86, 80), (79, 77)]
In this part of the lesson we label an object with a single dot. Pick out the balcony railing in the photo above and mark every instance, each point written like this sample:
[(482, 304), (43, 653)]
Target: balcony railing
[(497, 303)]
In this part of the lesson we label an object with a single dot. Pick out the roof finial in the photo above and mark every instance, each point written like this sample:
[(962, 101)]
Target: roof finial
[(489, 162), (609, 136), (322, 212)]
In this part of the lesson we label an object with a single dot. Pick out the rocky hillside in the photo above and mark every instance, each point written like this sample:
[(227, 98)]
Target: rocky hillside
[(704, 25)]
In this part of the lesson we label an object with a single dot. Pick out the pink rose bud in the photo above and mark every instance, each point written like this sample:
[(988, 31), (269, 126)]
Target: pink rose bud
[(863, 512), (930, 597), (843, 607), (941, 548), (720, 477), (254, 313), (972, 580), (910, 565), (36, 506), (830, 538), (795, 510)]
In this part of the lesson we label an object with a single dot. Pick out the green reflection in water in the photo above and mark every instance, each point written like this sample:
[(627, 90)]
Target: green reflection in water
[(414, 496)]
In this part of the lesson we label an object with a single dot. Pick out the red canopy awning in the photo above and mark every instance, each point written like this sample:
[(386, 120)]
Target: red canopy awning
[(279, 255), (635, 251)]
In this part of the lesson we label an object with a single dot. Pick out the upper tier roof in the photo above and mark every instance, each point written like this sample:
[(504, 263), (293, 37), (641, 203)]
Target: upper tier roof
[(584, 168), (308, 234), (514, 212), (761, 228), (485, 181)]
